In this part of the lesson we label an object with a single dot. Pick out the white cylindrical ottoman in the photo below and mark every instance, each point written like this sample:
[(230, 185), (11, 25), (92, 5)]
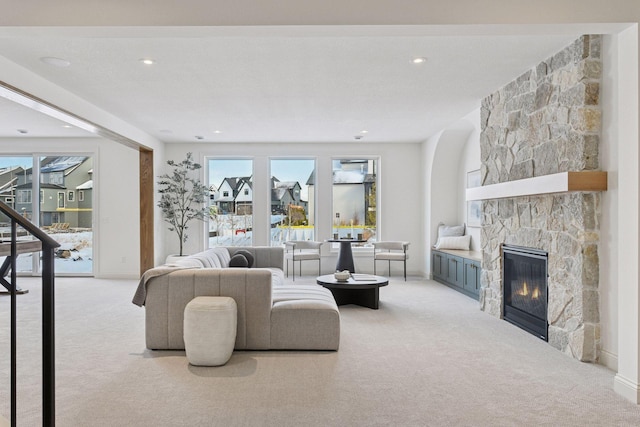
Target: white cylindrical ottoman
[(210, 330)]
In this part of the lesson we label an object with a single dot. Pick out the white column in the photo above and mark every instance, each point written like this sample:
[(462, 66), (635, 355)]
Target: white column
[(627, 380)]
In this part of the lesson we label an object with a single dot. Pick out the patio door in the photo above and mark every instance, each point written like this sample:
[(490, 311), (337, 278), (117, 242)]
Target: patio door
[(57, 196)]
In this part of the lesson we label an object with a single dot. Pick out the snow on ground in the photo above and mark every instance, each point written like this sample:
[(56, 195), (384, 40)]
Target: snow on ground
[(80, 247)]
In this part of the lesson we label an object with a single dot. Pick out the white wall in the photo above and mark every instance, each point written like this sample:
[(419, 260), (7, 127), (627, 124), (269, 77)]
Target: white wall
[(400, 192), (116, 204), (446, 161), (469, 161), (608, 249)]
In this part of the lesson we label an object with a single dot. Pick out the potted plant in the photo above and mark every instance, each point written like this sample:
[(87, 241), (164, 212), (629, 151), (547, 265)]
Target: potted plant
[(182, 197)]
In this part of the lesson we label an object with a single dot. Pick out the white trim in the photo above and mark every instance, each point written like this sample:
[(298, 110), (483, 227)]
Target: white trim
[(609, 360), (627, 388)]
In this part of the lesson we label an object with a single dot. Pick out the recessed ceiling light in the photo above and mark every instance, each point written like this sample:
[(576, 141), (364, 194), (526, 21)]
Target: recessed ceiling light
[(56, 62), (364, 131), (419, 60), (147, 61), (67, 126), (217, 131)]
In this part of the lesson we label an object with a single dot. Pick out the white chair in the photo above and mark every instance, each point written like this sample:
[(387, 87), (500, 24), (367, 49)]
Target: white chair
[(391, 251), (302, 250)]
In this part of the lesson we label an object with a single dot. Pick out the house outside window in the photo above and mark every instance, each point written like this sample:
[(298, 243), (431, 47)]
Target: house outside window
[(354, 189), (24, 196), (70, 196), (81, 196), (292, 199), (231, 204), (60, 200), (56, 178)]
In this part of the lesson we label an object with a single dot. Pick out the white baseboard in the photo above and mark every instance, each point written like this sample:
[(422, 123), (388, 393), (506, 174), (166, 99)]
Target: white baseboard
[(609, 360), (118, 276), (627, 389)]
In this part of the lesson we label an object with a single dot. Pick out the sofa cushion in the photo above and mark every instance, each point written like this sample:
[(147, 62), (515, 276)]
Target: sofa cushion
[(238, 260), (277, 276), (304, 318), (248, 255)]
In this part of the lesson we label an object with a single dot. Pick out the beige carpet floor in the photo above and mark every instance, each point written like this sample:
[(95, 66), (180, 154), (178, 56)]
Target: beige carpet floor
[(427, 357)]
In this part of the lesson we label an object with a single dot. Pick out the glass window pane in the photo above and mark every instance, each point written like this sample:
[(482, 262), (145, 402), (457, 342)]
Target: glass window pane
[(69, 220), (231, 202), (355, 199), (292, 200), (17, 192)]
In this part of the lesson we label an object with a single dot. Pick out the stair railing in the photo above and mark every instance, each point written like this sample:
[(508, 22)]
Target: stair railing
[(47, 245)]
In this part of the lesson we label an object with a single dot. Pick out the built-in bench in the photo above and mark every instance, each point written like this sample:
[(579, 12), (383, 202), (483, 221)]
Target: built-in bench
[(457, 269)]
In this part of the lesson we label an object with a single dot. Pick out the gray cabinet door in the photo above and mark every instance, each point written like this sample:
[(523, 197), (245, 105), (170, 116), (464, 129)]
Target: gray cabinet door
[(455, 272), (438, 265), (472, 276)]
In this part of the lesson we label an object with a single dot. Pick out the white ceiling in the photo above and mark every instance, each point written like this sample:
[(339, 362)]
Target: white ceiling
[(272, 84)]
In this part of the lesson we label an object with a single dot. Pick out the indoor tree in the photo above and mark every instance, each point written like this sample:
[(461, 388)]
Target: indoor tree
[(182, 197)]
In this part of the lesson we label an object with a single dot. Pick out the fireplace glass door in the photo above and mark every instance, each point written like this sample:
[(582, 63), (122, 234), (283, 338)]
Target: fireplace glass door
[(525, 289)]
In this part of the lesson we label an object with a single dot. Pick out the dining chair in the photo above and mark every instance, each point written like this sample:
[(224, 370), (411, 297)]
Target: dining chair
[(391, 251), (302, 250)]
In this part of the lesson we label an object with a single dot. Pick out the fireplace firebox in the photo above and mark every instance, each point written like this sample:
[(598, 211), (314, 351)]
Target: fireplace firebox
[(524, 279)]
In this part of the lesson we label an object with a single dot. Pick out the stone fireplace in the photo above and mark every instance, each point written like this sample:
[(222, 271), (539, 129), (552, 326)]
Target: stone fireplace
[(545, 122)]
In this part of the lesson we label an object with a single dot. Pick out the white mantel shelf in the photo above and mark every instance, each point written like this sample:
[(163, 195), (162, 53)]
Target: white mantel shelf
[(547, 184)]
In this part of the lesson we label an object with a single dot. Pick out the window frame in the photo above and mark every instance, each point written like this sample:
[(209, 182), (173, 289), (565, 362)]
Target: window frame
[(206, 162), (312, 211), (368, 246)]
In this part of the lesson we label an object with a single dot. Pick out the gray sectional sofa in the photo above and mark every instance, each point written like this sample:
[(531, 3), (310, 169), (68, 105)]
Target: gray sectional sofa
[(271, 314)]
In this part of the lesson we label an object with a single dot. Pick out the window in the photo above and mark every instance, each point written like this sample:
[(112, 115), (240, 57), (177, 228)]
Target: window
[(231, 207), (39, 174), (54, 178), (24, 196), (292, 200), (81, 196), (355, 198)]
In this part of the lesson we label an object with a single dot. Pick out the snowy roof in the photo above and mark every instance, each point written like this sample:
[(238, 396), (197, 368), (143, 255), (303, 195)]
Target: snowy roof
[(86, 185), (278, 193), (64, 163), (285, 184)]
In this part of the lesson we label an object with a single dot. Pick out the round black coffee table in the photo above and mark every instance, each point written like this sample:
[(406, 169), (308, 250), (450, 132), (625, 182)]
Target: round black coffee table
[(359, 289)]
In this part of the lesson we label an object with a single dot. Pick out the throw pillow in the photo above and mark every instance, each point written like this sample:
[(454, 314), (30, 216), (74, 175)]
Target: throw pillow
[(450, 230), (248, 255), (238, 260), (454, 242)]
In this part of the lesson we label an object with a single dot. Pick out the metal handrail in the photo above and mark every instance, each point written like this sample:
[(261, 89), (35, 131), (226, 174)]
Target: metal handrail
[(48, 319)]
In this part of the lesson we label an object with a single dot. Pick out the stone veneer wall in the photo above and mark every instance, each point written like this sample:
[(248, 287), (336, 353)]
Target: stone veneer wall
[(544, 122)]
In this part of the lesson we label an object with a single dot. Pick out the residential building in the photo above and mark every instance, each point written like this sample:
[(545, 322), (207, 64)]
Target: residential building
[(65, 191)]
